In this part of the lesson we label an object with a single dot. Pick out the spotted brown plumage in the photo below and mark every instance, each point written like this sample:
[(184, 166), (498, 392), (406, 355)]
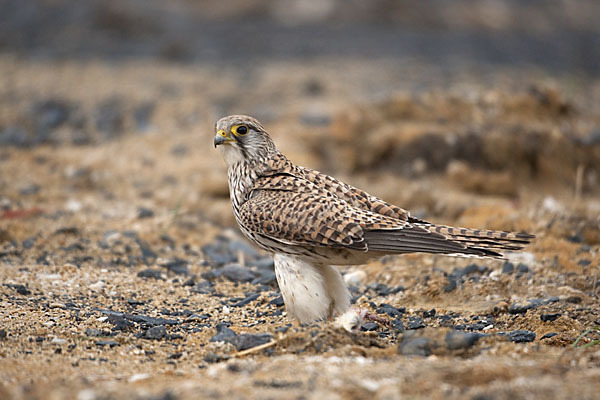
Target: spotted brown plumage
[(311, 221)]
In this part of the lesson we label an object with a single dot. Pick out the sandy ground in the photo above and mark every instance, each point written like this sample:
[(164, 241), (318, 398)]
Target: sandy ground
[(116, 226)]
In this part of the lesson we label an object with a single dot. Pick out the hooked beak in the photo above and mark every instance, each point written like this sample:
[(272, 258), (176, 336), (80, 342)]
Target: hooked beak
[(222, 137)]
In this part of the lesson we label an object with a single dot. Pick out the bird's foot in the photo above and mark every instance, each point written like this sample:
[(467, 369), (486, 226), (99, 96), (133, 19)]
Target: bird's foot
[(354, 318)]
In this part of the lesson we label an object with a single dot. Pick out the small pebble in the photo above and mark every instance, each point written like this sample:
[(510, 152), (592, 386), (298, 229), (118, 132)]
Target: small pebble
[(548, 335), (415, 323), (177, 265), (224, 334), (277, 301), (369, 326), (143, 212), (549, 317), (150, 273), (236, 273), (156, 332), (508, 268), (247, 300), (521, 336), (246, 341)]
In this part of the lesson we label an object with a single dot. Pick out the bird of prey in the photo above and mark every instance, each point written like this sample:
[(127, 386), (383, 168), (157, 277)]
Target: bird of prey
[(311, 221)]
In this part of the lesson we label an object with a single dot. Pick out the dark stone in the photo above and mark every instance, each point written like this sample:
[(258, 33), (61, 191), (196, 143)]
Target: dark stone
[(29, 189), (451, 285), (224, 334), (74, 247), (3, 334), (548, 335), (142, 115), (369, 326), (236, 246), (177, 266), (265, 277), (203, 287), (429, 314), (218, 254), (283, 329), (191, 281), (119, 322), (522, 269), (247, 340), (236, 273), (265, 263), (143, 212), (518, 308), (521, 336), (549, 317), (277, 301), (175, 356), (147, 254), (14, 136), (49, 114), (110, 118), (584, 262), (577, 238), (103, 343), (415, 346), (508, 268), (150, 273), (398, 325), (277, 384), (574, 299), (156, 332), (138, 318), (460, 340), (135, 302), (415, 323), (215, 358), (247, 300), (67, 230), (383, 290), (28, 243), (390, 310), (21, 289)]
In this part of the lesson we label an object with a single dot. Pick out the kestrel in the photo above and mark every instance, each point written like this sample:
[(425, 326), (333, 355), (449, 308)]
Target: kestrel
[(311, 221)]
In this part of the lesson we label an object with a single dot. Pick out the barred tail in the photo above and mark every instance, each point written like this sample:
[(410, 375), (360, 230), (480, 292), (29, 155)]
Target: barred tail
[(490, 243)]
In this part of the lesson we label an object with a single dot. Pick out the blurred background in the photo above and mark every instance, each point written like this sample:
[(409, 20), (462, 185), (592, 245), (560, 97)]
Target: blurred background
[(494, 98)]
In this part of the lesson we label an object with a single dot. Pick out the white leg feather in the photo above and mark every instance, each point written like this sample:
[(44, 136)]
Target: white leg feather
[(310, 291)]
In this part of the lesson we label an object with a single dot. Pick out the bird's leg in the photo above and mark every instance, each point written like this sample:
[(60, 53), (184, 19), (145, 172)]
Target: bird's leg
[(331, 311), (377, 318)]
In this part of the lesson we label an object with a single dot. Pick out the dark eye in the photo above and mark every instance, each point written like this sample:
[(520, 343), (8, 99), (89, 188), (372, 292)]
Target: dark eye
[(241, 130)]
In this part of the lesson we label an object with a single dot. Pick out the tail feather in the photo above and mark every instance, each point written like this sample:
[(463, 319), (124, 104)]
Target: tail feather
[(429, 238), (496, 241)]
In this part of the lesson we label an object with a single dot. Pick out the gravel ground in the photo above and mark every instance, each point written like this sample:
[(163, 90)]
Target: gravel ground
[(123, 275)]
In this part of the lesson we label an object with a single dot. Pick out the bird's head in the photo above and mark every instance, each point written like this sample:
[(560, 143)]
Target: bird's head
[(242, 139)]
